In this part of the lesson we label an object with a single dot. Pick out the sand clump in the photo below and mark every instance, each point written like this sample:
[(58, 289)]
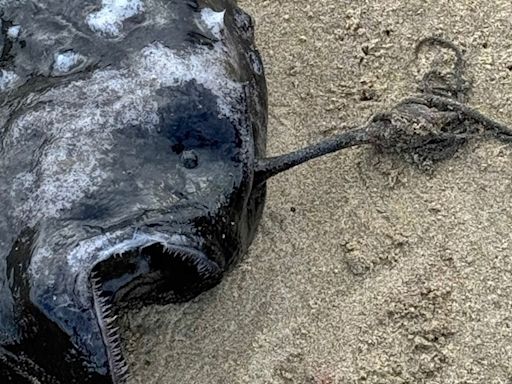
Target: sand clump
[(367, 268)]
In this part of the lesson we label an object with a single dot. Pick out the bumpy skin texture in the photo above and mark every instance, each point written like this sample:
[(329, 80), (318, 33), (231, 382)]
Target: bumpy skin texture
[(121, 126)]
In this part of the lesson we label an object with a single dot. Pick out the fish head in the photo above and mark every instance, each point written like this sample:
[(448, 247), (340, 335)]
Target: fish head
[(168, 215), (130, 182)]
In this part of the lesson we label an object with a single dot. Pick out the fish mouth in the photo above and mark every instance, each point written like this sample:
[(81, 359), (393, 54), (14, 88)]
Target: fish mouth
[(153, 273)]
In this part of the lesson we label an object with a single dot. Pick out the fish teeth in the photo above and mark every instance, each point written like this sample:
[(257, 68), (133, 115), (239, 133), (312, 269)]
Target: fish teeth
[(118, 366), (113, 338), (122, 372)]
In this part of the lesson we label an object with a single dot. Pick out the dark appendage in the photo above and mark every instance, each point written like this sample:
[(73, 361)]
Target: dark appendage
[(427, 128), (272, 166)]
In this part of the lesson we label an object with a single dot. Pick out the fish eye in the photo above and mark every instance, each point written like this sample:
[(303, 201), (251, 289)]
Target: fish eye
[(189, 159)]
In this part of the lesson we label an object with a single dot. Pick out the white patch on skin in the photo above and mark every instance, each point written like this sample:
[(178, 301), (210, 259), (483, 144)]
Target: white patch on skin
[(66, 61), (136, 242), (213, 21), (87, 250), (80, 132), (14, 32), (108, 21), (7, 79), (101, 248), (207, 69), (44, 253), (22, 183)]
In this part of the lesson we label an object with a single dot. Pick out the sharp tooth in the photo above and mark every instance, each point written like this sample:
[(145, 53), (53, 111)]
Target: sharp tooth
[(115, 345), (105, 311), (103, 299), (124, 369), (112, 334)]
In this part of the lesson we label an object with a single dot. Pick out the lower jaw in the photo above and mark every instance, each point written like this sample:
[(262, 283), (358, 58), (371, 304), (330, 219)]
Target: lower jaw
[(118, 367), (170, 274)]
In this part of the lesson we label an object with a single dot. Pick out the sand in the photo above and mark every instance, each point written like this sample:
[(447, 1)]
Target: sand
[(366, 269)]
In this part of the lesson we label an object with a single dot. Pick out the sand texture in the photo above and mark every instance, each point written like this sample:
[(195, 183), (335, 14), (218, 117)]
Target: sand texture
[(367, 269)]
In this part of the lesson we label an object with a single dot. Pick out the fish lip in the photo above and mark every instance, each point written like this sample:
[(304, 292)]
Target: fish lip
[(206, 268)]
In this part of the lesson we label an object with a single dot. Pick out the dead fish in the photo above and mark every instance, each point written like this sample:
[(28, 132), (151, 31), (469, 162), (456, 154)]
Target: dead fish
[(132, 170)]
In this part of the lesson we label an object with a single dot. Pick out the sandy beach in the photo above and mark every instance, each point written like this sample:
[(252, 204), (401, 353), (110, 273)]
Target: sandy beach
[(366, 269)]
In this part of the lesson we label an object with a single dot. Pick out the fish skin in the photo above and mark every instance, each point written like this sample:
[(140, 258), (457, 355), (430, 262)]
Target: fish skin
[(94, 130)]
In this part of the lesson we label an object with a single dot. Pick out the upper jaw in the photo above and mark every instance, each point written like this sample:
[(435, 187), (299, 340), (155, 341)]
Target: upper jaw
[(187, 265)]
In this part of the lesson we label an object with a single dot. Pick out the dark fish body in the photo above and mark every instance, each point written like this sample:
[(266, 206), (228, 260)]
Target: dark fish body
[(129, 133)]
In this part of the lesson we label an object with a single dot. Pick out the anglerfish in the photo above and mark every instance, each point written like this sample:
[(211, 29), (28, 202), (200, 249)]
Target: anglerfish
[(132, 170)]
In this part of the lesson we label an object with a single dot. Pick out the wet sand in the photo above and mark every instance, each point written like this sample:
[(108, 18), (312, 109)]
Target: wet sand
[(366, 269)]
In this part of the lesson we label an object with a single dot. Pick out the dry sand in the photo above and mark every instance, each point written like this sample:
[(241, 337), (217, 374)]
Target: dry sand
[(365, 269)]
